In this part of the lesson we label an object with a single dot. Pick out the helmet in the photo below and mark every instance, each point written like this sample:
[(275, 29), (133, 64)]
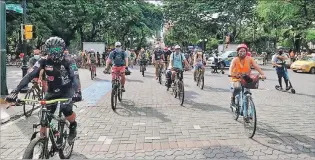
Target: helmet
[(241, 46), (165, 48), (177, 47), (157, 46), (117, 44), (55, 47)]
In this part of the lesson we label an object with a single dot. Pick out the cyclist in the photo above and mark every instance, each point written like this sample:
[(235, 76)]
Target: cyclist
[(92, 59), (241, 65), (132, 57), (119, 58), (167, 53), (176, 62), (143, 58), (63, 80), (199, 62), (278, 60), (41, 78), (157, 59)]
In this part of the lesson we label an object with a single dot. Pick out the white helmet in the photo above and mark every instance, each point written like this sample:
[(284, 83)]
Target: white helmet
[(177, 47), (117, 44), (157, 46)]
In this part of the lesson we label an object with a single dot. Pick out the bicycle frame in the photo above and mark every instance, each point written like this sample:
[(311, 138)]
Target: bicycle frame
[(242, 99), (117, 79)]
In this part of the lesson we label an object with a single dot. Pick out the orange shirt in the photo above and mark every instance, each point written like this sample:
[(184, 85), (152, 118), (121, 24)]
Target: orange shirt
[(242, 67)]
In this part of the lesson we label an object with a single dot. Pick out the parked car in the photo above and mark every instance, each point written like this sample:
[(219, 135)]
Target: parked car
[(225, 59), (306, 64)]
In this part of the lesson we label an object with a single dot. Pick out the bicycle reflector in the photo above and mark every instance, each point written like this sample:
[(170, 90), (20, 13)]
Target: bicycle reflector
[(43, 102)]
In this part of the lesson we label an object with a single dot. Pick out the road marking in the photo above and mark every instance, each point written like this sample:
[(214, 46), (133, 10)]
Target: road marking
[(96, 91), (197, 127), (138, 124), (108, 141), (152, 137), (101, 138)]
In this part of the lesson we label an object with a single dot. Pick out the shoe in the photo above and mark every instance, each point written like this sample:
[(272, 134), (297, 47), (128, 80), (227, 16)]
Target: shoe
[(73, 131), (95, 74), (287, 88), (123, 89), (246, 119)]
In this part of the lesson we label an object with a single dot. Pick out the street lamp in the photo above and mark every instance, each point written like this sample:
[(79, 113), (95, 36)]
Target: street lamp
[(24, 67)]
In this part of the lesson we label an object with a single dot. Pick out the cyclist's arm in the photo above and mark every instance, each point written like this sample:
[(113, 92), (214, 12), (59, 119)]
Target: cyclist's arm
[(33, 72), (109, 59), (41, 74), (255, 65), (232, 65), (74, 74), (171, 60)]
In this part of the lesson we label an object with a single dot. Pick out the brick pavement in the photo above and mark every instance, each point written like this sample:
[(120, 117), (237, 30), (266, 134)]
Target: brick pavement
[(150, 124)]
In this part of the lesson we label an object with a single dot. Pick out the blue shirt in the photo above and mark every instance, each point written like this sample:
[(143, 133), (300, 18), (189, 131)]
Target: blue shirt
[(177, 60), (118, 58)]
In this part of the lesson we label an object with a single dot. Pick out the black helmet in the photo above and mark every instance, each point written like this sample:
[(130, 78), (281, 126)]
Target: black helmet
[(55, 47)]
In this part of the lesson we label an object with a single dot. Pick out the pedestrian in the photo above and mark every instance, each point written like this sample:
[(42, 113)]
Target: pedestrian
[(98, 55)]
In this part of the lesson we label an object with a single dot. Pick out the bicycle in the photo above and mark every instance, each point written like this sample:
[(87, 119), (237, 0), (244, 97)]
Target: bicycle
[(178, 87), (116, 89), (160, 73), (244, 104), (93, 71), (200, 78), (143, 66), (58, 136), (35, 92)]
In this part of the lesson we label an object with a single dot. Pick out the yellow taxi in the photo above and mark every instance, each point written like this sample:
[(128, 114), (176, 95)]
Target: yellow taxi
[(306, 64)]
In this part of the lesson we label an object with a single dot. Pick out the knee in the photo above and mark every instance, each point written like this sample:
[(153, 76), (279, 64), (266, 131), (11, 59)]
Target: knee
[(67, 110)]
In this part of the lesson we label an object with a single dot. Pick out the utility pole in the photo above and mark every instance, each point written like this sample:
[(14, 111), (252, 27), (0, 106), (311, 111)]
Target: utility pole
[(3, 51), (24, 67)]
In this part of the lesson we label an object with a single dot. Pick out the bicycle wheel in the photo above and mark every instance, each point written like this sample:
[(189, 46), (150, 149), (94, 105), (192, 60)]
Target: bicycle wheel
[(114, 98), (202, 82), (250, 126), (181, 92), (160, 76), (29, 151), (198, 79), (64, 136), (92, 73), (143, 70), (28, 108), (119, 93)]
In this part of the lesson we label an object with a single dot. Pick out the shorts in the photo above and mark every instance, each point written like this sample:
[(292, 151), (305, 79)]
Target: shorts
[(120, 69), (198, 66), (67, 93)]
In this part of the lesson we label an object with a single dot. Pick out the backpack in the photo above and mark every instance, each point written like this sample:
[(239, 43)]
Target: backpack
[(115, 53), (181, 58)]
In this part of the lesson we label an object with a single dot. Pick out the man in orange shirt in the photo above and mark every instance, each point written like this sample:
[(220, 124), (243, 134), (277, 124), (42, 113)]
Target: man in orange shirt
[(241, 65)]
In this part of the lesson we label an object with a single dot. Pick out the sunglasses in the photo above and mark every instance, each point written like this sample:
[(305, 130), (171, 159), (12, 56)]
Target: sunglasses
[(118, 46), (55, 50)]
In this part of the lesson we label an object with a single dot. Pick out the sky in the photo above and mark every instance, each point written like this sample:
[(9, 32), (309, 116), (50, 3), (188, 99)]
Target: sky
[(156, 2)]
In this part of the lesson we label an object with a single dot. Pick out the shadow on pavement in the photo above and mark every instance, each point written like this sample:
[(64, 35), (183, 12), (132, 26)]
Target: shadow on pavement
[(98, 79), (76, 155), (190, 104), (294, 143), (132, 110), (213, 89), (308, 95), (134, 80), (221, 152)]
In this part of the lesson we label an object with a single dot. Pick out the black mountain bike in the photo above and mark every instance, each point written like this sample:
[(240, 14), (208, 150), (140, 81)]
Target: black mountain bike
[(143, 66), (35, 93), (160, 68), (200, 78), (178, 87), (116, 90), (57, 135)]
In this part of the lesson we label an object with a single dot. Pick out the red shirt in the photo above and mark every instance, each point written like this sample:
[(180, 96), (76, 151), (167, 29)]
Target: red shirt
[(21, 55), (248, 54)]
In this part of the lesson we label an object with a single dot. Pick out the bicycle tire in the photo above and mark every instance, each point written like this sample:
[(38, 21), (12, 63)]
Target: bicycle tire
[(92, 73), (119, 93), (181, 92), (65, 141), (29, 94), (202, 80), (114, 99), (252, 110), (142, 71), (28, 153), (160, 76), (198, 79)]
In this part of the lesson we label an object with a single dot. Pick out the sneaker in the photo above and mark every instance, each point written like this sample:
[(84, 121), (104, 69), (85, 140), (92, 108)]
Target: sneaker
[(123, 89), (73, 131), (95, 74), (287, 88), (246, 119)]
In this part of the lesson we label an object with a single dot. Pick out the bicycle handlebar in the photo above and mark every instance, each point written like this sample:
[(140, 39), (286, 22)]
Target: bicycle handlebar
[(42, 102)]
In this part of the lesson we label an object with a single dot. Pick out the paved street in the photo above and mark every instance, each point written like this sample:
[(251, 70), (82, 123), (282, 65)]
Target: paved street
[(150, 123)]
